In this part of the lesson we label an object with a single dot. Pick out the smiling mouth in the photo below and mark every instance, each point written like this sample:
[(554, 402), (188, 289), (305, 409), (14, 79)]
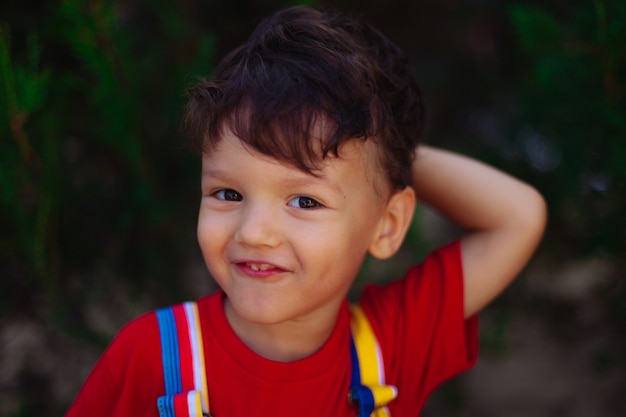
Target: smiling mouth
[(259, 267)]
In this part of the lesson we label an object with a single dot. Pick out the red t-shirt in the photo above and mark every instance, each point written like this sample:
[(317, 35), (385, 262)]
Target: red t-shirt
[(418, 321)]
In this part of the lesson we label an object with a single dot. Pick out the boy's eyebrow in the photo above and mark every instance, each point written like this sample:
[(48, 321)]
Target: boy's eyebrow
[(309, 180), (214, 173), (293, 181)]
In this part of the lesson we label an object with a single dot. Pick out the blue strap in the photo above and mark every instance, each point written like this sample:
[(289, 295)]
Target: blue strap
[(356, 371), (170, 351), (165, 404), (359, 396)]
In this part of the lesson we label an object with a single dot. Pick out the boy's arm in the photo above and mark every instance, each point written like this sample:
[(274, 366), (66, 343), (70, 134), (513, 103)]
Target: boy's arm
[(503, 216)]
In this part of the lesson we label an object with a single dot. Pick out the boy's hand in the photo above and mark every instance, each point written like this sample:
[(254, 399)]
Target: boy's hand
[(503, 216)]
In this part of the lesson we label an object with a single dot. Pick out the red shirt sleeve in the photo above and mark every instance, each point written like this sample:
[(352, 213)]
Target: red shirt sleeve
[(420, 325), (128, 378)]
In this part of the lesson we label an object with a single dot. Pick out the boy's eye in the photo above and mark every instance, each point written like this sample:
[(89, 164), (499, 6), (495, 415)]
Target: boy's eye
[(304, 203), (228, 195)]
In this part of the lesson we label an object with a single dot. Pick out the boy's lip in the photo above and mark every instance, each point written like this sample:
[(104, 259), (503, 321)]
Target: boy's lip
[(258, 268)]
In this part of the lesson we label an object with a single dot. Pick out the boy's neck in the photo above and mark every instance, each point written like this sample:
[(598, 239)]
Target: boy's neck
[(284, 342)]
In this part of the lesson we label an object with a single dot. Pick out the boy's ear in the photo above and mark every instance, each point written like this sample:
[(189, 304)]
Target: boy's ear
[(394, 224)]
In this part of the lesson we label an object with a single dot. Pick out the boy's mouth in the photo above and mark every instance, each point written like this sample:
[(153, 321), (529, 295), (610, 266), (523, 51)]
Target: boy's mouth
[(259, 267)]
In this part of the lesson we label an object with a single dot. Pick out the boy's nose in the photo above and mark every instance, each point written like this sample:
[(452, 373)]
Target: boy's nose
[(258, 226)]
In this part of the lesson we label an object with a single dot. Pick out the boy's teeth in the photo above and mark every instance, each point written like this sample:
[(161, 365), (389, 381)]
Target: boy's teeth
[(259, 267)]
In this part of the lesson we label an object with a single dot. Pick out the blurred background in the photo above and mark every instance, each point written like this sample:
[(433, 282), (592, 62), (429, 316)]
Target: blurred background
[(99, 190)]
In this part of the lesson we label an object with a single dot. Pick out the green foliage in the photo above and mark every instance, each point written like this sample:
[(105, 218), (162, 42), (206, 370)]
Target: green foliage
[(96, 183), (538, 32), (90, 127), (573, 94), (22, 165)]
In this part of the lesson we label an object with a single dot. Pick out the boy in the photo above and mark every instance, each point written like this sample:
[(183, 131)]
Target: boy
[(307, 134)]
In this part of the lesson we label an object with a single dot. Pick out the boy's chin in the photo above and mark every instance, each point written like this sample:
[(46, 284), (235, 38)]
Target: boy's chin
[(242, 312)]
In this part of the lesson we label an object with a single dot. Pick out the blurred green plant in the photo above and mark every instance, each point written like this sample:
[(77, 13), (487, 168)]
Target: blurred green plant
[(90, 143), (572, 95), (24, 89)]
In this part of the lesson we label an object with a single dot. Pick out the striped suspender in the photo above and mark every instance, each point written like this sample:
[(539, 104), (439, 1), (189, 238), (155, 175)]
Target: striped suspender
[(368, 391), (186, 392), (183, 363)]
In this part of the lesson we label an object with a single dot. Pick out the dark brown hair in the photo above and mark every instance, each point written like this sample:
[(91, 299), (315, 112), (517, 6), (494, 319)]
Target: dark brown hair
[(305, 65)]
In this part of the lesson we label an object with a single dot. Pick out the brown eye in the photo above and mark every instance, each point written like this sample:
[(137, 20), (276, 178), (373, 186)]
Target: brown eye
[(304, 203), (228, 195)]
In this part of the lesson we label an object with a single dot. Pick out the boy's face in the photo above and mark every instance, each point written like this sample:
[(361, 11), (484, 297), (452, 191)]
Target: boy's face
[(285, 245)]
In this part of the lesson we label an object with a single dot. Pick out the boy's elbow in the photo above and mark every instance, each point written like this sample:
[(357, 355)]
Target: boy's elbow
[(533, 215)]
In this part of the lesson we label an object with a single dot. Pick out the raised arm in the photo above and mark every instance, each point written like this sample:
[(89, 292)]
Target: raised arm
[(504, 218)]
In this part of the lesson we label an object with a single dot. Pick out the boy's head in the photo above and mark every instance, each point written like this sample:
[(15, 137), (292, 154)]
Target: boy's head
[(303, 69), (307, 133)]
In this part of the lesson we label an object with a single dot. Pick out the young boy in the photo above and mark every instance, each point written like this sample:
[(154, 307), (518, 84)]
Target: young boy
[(308, 135)]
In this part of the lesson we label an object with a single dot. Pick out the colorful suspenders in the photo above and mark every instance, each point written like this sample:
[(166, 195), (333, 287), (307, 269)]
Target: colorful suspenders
[(368, 391), (186, 394)]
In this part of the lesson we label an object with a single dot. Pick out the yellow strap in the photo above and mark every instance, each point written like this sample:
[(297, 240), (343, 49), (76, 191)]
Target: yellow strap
[(371, 362)]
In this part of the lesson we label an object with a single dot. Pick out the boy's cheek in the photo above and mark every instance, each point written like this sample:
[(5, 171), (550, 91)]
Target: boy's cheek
[(208, 235)]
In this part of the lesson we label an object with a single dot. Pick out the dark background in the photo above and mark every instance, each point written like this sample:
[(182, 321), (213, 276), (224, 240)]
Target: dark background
[(99, 191)]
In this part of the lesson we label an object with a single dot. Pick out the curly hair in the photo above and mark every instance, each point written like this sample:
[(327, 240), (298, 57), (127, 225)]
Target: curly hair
[(304, 65)]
